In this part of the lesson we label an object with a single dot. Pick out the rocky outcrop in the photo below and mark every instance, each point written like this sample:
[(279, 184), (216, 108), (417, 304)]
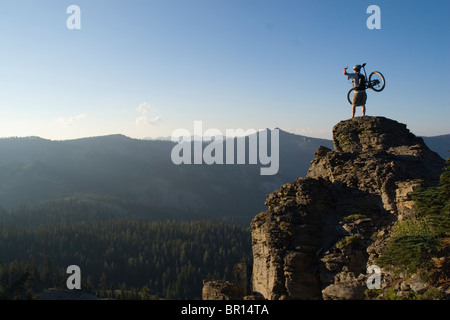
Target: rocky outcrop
[(222, 290), (379, 156), (240, 288), (242, 275), (320, 233)]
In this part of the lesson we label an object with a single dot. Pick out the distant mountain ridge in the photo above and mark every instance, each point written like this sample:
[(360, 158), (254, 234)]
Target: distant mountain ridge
[(118, 169), (34, 170), (439, 144)]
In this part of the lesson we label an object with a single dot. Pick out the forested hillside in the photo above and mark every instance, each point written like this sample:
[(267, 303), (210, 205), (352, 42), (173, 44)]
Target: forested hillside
[(126, 215), (128, 257)]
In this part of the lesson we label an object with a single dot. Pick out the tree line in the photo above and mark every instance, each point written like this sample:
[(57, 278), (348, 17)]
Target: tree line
[(127, 257)]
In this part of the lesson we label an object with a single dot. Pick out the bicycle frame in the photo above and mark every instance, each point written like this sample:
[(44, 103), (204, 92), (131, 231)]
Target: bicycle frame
[(365, 75)]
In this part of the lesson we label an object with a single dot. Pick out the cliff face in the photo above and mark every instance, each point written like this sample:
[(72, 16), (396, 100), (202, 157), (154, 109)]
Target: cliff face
[(321, 233)]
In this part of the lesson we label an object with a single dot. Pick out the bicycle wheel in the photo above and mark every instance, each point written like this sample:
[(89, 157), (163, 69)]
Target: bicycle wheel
[(376, 81), (350, 94)]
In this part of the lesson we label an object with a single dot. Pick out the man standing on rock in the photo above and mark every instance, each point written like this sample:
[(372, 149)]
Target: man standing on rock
[(359, 82)]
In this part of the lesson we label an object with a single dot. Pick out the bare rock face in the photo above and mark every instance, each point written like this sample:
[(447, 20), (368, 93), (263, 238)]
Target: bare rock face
[(321, 232), (242, 275), (379, 156), (222, 290)]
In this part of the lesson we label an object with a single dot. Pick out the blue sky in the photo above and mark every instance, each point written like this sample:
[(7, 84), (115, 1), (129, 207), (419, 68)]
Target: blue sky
[(144, 68)]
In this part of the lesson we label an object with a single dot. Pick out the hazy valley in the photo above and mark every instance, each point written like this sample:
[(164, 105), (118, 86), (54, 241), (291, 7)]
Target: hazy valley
[(136, 224)]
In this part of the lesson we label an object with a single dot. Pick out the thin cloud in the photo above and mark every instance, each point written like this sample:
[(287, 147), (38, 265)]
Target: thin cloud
[(155, 120), (143, 108), (71, 120), (143, 120)]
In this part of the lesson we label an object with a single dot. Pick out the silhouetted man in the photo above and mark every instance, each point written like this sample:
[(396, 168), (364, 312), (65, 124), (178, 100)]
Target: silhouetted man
[(359, 96)]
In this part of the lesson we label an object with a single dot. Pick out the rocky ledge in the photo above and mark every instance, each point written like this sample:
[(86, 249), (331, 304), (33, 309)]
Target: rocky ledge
[(322, 232)]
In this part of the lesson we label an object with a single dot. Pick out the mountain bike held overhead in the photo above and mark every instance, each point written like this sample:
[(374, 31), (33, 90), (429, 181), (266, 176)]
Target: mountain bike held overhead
[(357, 96)]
